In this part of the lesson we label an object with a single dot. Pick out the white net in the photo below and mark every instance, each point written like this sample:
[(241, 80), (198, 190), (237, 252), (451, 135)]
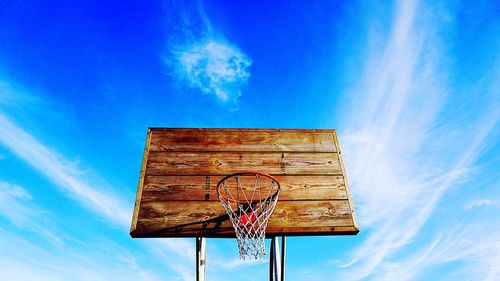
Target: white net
[(249, 199)]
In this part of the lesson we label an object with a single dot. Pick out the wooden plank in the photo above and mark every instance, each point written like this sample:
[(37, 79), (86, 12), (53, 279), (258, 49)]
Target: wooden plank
[(176, 195), (202, 188), (346, 183), (141, 183), (311, 231), (210, 217), (224, 163), (270, 232), (273, 140)]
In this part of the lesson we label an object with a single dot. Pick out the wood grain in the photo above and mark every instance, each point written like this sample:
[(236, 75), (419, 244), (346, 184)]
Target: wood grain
[(224, 163), (138, 198), (181, 218), (242, 140), (176, 195), (229, 232), (346, 182), (194, 188)]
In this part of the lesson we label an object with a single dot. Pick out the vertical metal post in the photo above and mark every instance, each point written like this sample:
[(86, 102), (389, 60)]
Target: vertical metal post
[(201, 258), (283, 257), (275, 264), (271, 261)]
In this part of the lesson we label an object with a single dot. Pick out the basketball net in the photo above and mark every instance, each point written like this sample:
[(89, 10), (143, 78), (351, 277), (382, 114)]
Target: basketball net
[(249, 199)]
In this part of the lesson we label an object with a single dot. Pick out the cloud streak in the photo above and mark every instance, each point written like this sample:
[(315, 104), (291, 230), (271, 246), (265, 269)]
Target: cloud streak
[(213, 67), (61, 172), (477, 203), (205, 60), (72, 181), (66, 263), (16, 205), (13, 199), (394, 139), (455, 244)]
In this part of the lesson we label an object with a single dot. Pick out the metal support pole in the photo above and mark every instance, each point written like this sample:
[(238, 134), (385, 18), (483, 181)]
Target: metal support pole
[(275, 263), (271, 261), (283, 257), (201, 258)]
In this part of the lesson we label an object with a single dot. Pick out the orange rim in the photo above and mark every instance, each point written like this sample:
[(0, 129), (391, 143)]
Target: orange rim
[(249, 172)]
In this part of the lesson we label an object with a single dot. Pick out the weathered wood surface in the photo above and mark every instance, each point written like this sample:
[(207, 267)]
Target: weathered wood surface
[(228, 232), (243, 140), (176, 195), (138, 197), (202, 188), (179, 216), (224, 163)]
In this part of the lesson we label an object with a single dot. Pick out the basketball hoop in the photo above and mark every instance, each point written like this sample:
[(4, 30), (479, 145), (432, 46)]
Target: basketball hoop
[(249, 198)]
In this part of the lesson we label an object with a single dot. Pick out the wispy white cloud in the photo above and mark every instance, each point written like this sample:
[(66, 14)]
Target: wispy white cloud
[(12, 95), (234, 263), (60, 259), (207, 61), (22, 259), (16, 205), (476, 203), (180, 255), (73, 181), (12, 203), (214, 67), (397, 146), (479, 252), (62, 172)]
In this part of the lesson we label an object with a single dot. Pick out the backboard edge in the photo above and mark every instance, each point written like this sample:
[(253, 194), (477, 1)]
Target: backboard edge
[(346, 182), (138, 196), (340, 231)]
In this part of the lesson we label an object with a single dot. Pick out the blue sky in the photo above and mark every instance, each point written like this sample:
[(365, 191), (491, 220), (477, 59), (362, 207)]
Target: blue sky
[(413, 88)]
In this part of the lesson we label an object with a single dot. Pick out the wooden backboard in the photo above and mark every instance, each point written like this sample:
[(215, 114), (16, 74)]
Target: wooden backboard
[(181, 167)]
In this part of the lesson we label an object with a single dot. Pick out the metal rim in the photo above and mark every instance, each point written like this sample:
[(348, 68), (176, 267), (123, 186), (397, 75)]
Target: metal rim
[(248, 172)]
